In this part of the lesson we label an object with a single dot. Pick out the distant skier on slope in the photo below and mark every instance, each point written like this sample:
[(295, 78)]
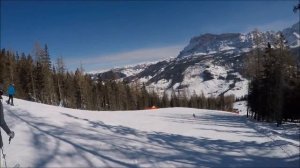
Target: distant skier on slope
[(3, 124), (11, 92)]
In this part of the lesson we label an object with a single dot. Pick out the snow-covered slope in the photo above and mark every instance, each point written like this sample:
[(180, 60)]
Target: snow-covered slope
[(49, 136), (199, 75), (211, 75)]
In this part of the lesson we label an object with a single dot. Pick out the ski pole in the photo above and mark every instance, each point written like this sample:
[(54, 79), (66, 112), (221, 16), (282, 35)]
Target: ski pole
[(4, 157)]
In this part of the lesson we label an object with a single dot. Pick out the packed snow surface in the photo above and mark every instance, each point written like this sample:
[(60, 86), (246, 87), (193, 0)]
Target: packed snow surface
[(50, 136)]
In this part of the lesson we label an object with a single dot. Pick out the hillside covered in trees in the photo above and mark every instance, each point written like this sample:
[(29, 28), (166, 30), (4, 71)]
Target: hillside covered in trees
[(36, 78)]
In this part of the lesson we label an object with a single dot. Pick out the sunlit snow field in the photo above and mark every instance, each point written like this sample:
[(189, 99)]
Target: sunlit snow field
[(50, 136)]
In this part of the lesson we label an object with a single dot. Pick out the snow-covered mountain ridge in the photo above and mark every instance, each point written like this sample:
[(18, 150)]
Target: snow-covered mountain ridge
[(237, 42), (210, 64)]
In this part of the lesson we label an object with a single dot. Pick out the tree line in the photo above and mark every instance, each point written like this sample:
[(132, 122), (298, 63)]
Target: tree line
[(274, 90), (37, 79)]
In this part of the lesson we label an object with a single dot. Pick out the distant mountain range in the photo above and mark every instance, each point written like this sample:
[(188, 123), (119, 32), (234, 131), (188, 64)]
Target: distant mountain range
[(210, 64)]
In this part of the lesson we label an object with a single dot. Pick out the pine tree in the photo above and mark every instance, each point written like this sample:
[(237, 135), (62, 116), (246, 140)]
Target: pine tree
[(165, 100), (2, 66), (269, 86), (60, 66)]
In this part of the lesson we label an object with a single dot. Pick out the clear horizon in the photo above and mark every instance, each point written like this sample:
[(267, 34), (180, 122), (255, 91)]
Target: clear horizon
[(104, 34)]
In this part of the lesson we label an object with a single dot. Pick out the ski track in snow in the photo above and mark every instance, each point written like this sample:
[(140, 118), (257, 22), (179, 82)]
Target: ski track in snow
[(50, 136)]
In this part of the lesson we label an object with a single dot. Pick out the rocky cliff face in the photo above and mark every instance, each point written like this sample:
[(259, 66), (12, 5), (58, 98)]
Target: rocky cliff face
[(237, 42)]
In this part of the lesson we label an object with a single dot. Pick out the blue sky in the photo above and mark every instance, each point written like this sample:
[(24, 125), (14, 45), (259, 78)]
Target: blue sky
[(107, 34)]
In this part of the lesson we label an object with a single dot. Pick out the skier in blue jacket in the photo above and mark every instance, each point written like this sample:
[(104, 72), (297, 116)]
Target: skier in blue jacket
[(11, 92), (3, 124)]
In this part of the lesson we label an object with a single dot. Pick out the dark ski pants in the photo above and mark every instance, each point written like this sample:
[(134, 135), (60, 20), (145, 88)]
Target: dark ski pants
[(3, 124), (10, 97)]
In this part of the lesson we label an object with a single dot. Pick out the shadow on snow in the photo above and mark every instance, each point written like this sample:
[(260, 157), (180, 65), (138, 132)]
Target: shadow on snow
[(117, 146)]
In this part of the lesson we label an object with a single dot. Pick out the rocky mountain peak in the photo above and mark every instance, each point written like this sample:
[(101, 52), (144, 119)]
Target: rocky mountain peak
[(236, 42)]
